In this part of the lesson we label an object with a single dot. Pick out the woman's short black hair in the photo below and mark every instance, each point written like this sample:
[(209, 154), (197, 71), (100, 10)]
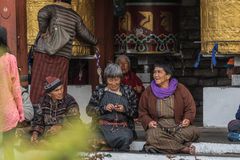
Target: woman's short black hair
[(3, 36), (68, 1), (166, 67)]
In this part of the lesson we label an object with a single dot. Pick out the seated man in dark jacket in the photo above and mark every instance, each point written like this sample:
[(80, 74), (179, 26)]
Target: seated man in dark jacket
[(54, 111), (234, 128)]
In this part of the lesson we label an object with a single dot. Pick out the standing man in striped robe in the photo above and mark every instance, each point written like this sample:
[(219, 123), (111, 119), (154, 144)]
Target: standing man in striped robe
[(57, 64)]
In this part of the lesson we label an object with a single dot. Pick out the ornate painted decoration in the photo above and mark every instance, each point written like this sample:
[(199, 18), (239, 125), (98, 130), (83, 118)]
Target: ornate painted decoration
[(147, 28), (145, 43)]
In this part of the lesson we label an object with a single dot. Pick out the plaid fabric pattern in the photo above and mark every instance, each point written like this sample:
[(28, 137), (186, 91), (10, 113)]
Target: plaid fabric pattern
[(95, 109), (113, 98), (45, 65)]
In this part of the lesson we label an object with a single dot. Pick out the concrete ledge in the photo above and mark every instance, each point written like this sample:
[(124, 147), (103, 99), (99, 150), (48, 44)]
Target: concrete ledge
[(219, 105), (137, 156), (201, 148), (141, 156)]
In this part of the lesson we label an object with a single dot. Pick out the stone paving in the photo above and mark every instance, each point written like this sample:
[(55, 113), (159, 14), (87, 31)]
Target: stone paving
[(212, 145)]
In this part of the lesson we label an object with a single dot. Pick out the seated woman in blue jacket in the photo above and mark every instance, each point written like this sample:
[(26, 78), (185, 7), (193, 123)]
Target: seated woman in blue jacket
[(113, 108)]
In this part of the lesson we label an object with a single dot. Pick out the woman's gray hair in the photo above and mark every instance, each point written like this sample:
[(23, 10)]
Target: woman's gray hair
[(112, 70), (123, 56)]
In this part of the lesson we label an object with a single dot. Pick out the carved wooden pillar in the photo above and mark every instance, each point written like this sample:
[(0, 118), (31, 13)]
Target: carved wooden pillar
[(12, 17), (104, 33), (8, 20)]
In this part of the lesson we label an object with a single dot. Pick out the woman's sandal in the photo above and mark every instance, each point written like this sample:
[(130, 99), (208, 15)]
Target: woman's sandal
[(192, 150), (189, 150)]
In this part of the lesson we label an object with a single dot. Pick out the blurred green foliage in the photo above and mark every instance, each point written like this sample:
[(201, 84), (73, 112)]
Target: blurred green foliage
[(66, 145)]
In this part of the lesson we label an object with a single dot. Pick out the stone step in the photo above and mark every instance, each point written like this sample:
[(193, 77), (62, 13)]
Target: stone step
[(143, 156), (212, 135), (202, 148), (135, 156), (213, 142), (204, 151)]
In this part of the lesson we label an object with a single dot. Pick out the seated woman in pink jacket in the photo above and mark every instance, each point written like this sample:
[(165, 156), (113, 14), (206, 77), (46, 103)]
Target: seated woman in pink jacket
[(11, 107)]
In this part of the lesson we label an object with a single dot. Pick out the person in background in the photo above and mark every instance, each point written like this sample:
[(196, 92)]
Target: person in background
[(231, 69), (11, 107), (24, 127), (234, 127), (27, 104), (167, 111), (55, 111), (113, 107), (129, 77), (57, 65)]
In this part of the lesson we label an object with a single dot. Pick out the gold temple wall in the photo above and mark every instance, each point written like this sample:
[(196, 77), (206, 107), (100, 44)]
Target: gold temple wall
[(220, 22), (85, 8)]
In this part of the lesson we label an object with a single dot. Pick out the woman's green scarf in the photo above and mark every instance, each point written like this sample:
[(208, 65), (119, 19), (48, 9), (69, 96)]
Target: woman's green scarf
[(3, 50)]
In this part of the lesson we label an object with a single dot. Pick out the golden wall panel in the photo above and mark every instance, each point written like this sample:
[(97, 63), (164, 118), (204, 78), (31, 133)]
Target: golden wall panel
[(33, 6), (220, 22), (85, 8), (147, 21)]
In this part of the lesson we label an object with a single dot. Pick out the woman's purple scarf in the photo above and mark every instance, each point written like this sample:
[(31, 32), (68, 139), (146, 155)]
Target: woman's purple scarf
[(164, 92)]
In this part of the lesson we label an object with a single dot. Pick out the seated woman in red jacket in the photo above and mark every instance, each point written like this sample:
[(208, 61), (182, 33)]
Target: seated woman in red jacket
[(167, 111), (129, 78)]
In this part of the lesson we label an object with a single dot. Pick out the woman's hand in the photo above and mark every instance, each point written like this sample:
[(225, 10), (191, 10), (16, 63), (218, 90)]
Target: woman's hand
[(55, 129), (34, 138), (21, 116), (109, 107), (138, 89), (152, 124), (119, 108), (185, 123), (44, 35)]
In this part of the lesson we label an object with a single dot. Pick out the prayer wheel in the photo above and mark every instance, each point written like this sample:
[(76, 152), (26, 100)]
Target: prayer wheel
[(147, 27), (85, 8), (220, 24)]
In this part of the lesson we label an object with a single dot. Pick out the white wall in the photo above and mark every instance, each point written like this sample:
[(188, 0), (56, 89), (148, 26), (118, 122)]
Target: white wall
[(219, 105), (82, 95)]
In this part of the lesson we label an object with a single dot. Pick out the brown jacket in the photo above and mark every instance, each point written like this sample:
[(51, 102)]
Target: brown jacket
[(184, 106)]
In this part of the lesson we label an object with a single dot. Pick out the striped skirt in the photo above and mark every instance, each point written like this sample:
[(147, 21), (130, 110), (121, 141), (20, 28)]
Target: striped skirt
[(45, 65)]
